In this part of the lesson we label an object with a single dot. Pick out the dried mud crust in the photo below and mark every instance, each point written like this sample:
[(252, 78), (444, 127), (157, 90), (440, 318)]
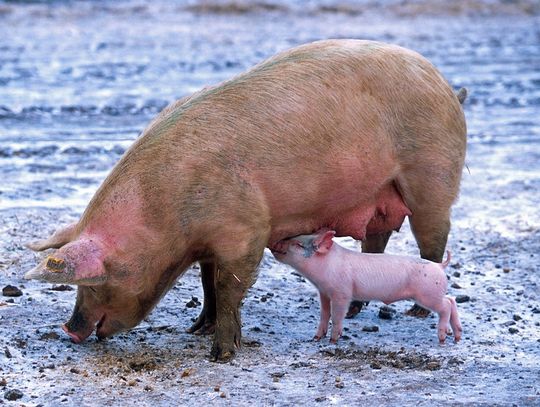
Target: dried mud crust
[(376, 358)]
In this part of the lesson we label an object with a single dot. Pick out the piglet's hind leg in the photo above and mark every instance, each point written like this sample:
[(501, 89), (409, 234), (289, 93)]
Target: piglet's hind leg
[(454, 319), (444, 310)]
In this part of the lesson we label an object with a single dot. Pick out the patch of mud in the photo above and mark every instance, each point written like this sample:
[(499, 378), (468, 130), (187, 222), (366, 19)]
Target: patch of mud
[(376, 358), (235, 7), (411, 8)]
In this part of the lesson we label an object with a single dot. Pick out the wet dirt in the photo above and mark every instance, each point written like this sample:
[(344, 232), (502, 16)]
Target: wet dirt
[(78, 83)]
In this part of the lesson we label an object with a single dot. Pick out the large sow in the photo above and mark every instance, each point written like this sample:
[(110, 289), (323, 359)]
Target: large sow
[(343, 134)]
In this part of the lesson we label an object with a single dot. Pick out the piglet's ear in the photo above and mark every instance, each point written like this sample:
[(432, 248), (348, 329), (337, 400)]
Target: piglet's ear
[(79, 262), (323, 243)]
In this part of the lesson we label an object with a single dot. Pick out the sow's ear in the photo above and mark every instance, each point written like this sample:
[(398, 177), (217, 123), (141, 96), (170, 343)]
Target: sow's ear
[(57, 240), (79, 262), (324, 242)]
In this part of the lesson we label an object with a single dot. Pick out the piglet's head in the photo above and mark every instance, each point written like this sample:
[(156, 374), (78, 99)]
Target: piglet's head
[(79, 262), (296, 251)]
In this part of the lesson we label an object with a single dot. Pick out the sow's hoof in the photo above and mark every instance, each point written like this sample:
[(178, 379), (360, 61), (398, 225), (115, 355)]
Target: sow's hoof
[(418, 312), (208, 328), (202, 328), (222, 353), (354, 308)]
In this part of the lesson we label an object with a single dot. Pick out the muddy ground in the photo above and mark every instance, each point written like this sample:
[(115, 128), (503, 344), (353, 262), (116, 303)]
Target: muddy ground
[(77, 85)]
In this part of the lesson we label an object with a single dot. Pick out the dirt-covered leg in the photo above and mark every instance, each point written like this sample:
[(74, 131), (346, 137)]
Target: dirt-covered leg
[(339, 309), (372, 244), (206, 322), (325, 317), (233, 279)]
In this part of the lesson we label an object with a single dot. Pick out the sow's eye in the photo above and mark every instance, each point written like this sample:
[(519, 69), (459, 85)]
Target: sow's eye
[(298, 244)]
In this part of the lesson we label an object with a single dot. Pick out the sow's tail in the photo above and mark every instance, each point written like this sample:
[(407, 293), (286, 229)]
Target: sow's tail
[(58, 239), (462, 95), (445, 263)]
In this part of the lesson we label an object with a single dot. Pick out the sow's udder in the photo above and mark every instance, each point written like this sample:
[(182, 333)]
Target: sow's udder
[(385, 213)]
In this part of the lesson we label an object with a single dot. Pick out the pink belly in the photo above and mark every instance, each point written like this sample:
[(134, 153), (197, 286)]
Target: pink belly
[(385, 212)]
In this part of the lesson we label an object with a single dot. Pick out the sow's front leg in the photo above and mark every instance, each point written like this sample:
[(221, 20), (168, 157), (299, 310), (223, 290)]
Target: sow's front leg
[(206, 323), (233, 279)]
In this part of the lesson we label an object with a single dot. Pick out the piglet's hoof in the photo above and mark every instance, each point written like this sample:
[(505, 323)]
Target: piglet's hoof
[(417, 311), (354, 309)]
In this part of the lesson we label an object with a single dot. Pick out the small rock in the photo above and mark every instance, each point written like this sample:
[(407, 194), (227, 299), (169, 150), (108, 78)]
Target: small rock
[(386, 312), (320, 399), (516, 317), (148, 388), (506, 270), (194, 302), (371, 328), (186, 372), (375, 365), (340, 385), (49, 335), (11, 291), (216, 388), (462, 298), (456, 274), (222, 395), (508, 323), (62, 287), (455, 285), (13, 395), (513, 330), (7, 352), (74, 370), (3, 382), (433, 365), (536, 310)]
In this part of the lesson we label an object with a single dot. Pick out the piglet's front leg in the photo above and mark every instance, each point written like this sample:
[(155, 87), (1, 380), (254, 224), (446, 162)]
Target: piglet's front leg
[(339, 309), (325, 317)]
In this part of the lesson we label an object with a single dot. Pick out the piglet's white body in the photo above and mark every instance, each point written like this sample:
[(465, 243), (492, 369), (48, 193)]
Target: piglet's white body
[(342, 275)]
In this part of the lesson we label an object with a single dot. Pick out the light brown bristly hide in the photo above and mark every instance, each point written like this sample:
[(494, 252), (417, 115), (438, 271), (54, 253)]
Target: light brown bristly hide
[(347, 134)]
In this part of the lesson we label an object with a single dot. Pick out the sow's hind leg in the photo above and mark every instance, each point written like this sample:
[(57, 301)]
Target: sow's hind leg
[(206, 322), (371, 244), (429, 193)]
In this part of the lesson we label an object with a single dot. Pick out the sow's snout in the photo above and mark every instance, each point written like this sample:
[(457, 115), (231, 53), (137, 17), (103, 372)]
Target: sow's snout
[(107, 310)]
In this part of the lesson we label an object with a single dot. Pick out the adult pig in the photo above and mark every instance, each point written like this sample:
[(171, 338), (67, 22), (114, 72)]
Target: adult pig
[(346, 134), (342, 275)]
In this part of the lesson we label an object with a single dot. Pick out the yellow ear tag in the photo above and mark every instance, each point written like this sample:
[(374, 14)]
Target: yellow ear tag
[(55, 265)]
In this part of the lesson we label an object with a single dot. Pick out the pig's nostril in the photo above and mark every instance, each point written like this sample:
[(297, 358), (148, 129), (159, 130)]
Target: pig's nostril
[(100, 322), (74, 337)]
